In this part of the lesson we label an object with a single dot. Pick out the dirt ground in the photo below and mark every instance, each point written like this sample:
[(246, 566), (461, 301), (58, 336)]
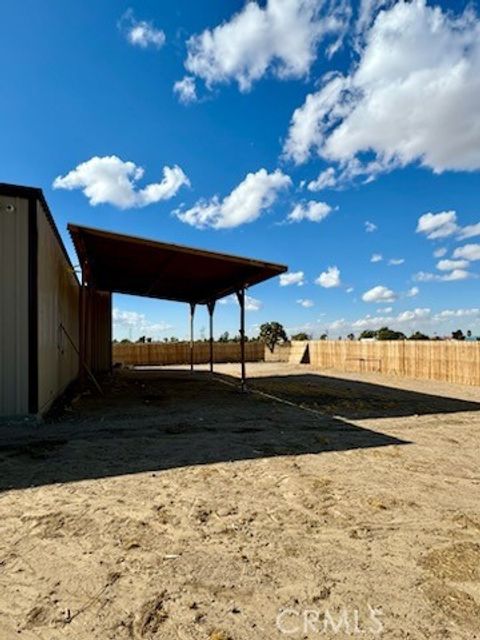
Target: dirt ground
[(177, 507)]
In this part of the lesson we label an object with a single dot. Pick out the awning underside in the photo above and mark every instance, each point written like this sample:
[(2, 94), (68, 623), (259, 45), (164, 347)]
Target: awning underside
[(136, 266)]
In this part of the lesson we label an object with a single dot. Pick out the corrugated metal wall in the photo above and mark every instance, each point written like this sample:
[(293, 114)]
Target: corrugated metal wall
[(13, 305), (58, 305)]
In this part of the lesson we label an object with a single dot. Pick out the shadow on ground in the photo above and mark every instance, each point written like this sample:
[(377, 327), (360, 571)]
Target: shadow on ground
[(152, 421), (352, 399)]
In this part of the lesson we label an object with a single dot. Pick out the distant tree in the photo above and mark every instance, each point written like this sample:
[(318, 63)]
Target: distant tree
[(351, 336), (368, 334), (324, 336), (114, 341), (302, 336), (225, 337), (125, 341), (418, 335), (389, 334), (383, 334), (141, 339), (272, 333), (174, 339), (469, 334), (458, 335)]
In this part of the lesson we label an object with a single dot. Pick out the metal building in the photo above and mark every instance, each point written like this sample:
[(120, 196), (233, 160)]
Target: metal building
[(39, 306), (54, 328)]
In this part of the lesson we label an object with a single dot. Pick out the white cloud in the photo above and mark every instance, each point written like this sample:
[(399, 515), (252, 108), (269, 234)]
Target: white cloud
[(367, 12), (111, 180), (141, 33), (186, 90), (370, 227), (350, 289), (438, 225), (325, 180), (417, 60), (470, 231), (329, 278), (137, 322), (127, 318), (395, 262), (376, 257), (404, 317), (444, 224), (385, 310), (458, 313), (408, 320), (452, 276), (313, 211), (257, 192), (411, 293), (379, 294), (440, 252), (468, 252), (251, 304), (305, 302), (450, 265), (282, 37), (292, 277)]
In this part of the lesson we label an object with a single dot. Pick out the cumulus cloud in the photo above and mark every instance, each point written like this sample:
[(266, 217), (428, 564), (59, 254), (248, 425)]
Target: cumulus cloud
[(257, 192), (468, 252), (325, 180), (379, 294), (440, 252), (407, 320), (376, 257), (312, 210), (370, 227), (470, 231), (450, 265), (443, 225), (411, 293), (417, 60), (110, 180), (281, 37), (251, 304), (137, 322), (458, 313), (186, 90), (292, 277), (367, 11), (141, 33), (452, 276), (329, 278), (395, 262), (305, 302), (437, 225)]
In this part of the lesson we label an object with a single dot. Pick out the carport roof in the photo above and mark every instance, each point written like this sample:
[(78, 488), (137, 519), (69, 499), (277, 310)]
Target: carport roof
[(138, 266)]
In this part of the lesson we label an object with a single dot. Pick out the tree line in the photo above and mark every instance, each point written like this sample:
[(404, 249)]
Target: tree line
[(273, 333)]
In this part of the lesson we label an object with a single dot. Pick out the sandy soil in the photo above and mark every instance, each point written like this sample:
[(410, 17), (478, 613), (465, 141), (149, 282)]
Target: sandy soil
[(176, 507)]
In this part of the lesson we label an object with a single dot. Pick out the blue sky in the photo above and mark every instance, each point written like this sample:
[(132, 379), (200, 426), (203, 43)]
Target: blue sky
[(275, 130)]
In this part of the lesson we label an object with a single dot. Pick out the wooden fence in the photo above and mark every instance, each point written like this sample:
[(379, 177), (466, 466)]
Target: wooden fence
[(170, 353), (448, 361)]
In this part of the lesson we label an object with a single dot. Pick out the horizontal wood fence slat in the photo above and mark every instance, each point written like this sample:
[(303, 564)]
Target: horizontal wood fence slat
[(170, 353), (447, 361)]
